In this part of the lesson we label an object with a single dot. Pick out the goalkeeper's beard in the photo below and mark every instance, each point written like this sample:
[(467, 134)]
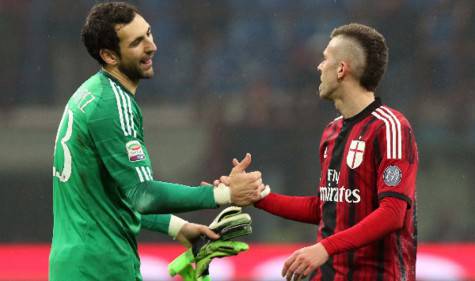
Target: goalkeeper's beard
[(133, 72)]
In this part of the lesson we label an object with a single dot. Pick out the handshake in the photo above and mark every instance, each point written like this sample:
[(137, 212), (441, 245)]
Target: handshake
[(240, 188)]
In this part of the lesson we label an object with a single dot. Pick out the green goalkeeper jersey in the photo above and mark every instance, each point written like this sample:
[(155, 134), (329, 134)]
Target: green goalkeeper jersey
[(99, 152)]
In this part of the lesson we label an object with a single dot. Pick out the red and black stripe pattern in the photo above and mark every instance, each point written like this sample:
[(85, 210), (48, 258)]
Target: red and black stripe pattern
[(364, 159)]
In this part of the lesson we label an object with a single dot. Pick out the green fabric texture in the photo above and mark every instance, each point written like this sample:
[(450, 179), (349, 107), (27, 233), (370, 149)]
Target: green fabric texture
[(163, 197), (158, 223)]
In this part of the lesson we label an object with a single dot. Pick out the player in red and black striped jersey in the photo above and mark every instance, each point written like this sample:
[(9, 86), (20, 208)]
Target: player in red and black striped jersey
[(365, 207)]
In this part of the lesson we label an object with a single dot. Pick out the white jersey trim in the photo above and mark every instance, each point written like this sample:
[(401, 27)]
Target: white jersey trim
[(399, 132), (393, 132), (149, 171), (119, 107), (124, 107), (338, 118), (140, 174), (144, 173), (126, 114)]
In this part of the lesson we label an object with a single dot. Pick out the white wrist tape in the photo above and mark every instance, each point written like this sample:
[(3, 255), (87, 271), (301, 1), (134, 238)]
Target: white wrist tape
[(265, 192), (222, 194), (176, 223)]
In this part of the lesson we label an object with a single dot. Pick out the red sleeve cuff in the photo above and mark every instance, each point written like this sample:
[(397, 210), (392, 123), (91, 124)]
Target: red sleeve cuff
[(329, 246)]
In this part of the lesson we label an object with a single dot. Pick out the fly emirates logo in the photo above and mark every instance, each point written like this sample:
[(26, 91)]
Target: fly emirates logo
[(338, 194)]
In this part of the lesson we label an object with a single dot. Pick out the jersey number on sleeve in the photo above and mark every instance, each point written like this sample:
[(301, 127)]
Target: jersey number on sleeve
[(65, 136)]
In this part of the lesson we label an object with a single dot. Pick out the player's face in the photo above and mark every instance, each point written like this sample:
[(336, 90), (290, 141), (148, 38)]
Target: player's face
[(328, 72), (136, 49)]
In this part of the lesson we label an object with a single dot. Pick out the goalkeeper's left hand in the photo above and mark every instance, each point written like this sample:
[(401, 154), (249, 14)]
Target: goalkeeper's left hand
[(192, 231)]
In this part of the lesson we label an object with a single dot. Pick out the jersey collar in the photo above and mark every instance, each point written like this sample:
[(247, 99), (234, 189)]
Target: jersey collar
[(110, 76), (365, 112)]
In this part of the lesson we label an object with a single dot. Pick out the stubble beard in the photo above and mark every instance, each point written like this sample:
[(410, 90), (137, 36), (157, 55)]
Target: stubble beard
[(328, 91), (324, 93), (134, 72)]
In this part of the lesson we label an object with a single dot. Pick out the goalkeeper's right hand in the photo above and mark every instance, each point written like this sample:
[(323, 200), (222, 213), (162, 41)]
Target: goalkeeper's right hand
[(245, 188), (240, 188), (240, 166)]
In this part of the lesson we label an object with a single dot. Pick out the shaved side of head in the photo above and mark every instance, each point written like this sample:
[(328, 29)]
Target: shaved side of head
[(350, 50), (375, 51)]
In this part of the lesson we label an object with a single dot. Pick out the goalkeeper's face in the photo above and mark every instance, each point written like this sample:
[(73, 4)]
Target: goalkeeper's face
[(136, 49)]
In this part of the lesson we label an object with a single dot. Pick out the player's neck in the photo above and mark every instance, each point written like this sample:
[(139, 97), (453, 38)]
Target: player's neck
[(130, 85), (353, 102)]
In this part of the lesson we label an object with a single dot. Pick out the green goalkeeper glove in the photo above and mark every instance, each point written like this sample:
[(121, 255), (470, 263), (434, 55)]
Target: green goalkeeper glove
[(202, 257), (229, 224), (216, 249)]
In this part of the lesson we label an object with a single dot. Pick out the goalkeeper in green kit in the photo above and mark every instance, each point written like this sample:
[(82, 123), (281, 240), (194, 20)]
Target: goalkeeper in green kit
[(104, 189)]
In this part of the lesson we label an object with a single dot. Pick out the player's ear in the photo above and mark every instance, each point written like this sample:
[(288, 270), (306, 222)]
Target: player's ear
[(109, 57), (342, 69)]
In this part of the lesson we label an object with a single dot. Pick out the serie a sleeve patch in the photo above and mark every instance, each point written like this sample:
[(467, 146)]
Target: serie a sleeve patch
[(135, 151)]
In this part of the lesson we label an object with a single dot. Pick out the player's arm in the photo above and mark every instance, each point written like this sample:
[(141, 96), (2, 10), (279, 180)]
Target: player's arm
[(176, 227), (162, 197), (387, 218), (116, 136), (298, 208), (161, 223), (121, 149)]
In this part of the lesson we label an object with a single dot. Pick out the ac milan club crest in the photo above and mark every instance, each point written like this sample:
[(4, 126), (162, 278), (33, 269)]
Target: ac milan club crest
[(354, 158)]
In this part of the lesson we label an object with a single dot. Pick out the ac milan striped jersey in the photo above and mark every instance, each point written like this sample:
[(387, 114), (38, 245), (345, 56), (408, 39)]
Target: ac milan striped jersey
[(365, 158)]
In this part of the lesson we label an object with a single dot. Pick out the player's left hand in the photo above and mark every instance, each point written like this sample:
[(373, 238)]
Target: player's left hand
[(304, 261), (191, 231)]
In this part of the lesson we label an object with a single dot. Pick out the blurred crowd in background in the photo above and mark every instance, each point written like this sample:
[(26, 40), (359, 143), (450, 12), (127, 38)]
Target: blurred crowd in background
[(247, 71)]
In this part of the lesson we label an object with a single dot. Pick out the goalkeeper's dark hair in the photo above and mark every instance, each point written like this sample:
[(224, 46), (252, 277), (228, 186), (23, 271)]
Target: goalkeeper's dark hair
[(374, 47), (99, 31)]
